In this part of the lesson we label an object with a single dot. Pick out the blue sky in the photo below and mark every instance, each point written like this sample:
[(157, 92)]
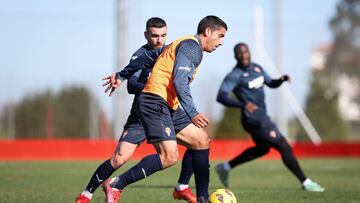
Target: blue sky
[(51, 44)]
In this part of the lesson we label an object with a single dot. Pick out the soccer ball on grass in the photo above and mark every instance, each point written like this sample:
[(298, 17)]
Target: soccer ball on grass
[(222, 196)]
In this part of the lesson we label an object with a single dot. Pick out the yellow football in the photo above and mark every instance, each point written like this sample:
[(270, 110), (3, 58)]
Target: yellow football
[(222, 196)]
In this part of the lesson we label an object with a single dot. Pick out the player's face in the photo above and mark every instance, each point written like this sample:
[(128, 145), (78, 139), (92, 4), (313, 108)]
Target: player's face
[(214, 39), (156, 37), (242, 55)]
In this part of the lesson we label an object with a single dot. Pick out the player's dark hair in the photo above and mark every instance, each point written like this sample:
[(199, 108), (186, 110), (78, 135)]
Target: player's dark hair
[(155, 22), (240, 44), (213, 22)]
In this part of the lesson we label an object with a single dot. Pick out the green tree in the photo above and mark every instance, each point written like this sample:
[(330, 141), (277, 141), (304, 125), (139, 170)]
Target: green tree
[(344, 57), (30, 115), (64, 115), (72, 112), (230, 125), (322, 110)]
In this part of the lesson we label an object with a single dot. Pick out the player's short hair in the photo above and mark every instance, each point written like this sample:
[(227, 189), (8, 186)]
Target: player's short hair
[(155, 22), (213, 22), (240, 44)]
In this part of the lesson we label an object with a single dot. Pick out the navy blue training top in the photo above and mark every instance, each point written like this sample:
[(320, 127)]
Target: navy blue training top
[(247, 84), (136, 82)]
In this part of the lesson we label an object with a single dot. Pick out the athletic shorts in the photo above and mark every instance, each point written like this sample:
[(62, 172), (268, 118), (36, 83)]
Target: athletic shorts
[(133, 130), (263, 133), (159, 120), (133, 134)]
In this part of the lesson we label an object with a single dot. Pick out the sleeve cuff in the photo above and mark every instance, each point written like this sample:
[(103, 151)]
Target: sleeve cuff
[(192, 114), (118, 76)]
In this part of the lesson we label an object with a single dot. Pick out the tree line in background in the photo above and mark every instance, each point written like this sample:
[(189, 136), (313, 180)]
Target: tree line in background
[(49, 115), (67, 114), (343, 61)]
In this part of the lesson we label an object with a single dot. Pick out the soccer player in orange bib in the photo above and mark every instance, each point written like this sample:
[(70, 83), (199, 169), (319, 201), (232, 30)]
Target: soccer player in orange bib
[(159, 107)]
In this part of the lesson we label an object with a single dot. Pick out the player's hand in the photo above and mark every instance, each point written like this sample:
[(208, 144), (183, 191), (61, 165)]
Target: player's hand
[(112, 83), (200, 121), (286, 78), (250, 107)]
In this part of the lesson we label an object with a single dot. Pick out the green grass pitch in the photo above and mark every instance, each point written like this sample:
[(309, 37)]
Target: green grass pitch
[(257, 181)]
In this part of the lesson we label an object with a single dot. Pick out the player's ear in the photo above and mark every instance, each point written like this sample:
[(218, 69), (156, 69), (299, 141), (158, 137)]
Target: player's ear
[(207, 32), (145, 35)]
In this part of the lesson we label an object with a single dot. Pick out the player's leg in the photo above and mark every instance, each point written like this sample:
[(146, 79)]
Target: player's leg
[(132, 137), (167, 156), (251, 153), (156, 119), (122, 153), (181, 120), (199, 142), (182, 191), (279, 143), (129, 140)]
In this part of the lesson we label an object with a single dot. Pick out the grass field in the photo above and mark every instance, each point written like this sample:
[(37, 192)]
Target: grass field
[(258, 181)]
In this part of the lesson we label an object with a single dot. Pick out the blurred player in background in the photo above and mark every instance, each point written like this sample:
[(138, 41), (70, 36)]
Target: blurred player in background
[(246, 82), (134, 134), (158, 106)]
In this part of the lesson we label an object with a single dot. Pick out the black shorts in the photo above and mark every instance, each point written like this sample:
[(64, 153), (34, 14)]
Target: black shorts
[(159, 120), (133, 134), (133, 130), (263, 133)]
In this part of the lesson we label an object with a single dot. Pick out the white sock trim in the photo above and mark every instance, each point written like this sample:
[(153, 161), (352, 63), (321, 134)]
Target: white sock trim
[(180, 187), (307, 181), (87, 194), (226, 166)]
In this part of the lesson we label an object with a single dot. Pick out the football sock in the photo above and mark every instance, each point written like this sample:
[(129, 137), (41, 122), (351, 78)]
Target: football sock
[(248, 155), (201, 167), (147, 166), (186, 168), (289, 159), (102, 173)]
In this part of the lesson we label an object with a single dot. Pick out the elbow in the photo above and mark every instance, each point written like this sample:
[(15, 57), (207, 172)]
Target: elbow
[(131, 87), (220, 97), (131, 92)]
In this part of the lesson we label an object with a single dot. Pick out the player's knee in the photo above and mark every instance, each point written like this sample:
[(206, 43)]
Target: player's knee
[(282, 145), (169, 159), (117, 161), (202, 142)]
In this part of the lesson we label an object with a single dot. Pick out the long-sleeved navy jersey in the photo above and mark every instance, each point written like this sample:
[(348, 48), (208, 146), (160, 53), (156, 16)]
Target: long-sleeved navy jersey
[(247, 84), (184, 68), (144, 60), (136, 82)]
